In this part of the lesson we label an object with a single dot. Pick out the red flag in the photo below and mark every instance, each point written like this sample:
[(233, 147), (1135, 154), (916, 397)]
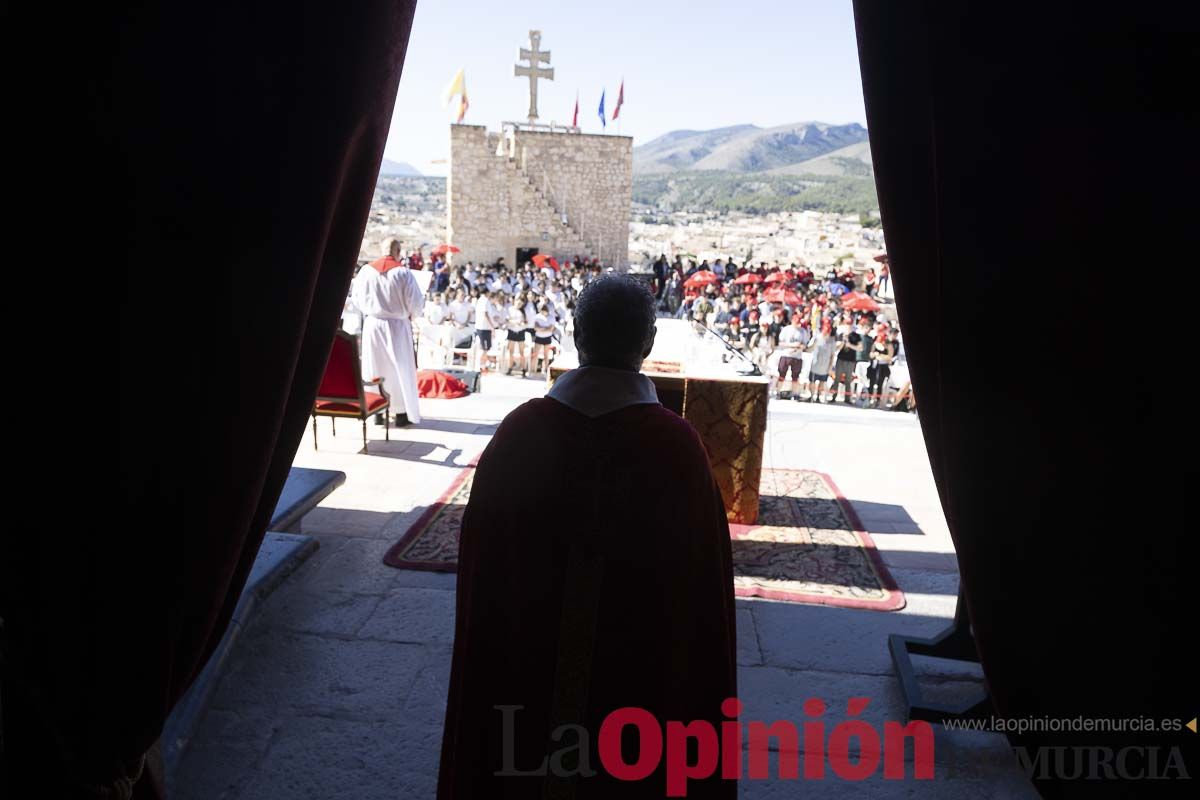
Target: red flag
[(575, 119), (620, 99)]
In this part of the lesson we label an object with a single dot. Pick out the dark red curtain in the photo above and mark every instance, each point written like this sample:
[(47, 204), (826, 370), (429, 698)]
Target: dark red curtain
[(1025, 168), (200, 175)]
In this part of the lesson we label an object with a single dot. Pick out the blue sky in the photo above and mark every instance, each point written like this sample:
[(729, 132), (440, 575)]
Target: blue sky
[(696, 64)]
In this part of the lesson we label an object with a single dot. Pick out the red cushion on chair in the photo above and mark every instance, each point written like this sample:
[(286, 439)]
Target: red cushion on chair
[(374, 403), (431, 383)]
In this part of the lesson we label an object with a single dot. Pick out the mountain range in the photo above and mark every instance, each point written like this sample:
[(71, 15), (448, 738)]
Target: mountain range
[(390, 167), (815, 148)]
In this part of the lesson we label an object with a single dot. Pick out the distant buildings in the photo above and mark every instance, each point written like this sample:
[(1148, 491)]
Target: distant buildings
[(414, 209)]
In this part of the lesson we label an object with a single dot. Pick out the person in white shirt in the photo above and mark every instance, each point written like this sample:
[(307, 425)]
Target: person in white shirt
[(461, 312), (487, 319), (435, 309), (516, 324), (530, 309), (433, 328), (555, 294), (543, 338), (792, 342)]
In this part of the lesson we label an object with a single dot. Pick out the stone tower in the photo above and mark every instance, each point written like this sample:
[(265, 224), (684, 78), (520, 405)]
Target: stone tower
[(543, 188)]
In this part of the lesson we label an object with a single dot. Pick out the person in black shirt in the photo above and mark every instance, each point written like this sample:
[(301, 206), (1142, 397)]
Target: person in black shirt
[(778, 323), (849, 346)]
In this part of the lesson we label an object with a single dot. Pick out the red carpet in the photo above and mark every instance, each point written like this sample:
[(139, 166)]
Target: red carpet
[(808, 547)]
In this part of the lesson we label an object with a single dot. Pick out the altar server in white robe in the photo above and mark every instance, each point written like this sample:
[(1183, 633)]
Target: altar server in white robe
[(389, 297)]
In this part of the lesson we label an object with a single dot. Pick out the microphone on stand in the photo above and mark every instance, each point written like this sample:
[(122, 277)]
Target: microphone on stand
[(754, 368)]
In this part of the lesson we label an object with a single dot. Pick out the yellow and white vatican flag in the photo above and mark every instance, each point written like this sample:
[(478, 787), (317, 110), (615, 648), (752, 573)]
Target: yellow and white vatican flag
[(457, 88)]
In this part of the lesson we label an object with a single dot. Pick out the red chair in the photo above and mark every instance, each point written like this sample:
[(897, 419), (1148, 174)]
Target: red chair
[(342, 392)]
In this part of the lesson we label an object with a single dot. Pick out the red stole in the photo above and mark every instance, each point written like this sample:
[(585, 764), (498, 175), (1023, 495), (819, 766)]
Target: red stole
[(386, 263)]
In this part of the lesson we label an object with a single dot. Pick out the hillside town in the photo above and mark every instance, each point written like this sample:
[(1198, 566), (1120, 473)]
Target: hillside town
[(812, 237), (413, 209)]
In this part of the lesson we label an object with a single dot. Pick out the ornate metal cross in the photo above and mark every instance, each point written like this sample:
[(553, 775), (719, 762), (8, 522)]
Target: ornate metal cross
[(534, 56)]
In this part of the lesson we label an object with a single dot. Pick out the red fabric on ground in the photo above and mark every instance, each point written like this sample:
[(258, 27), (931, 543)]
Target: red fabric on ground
[(431, 383)]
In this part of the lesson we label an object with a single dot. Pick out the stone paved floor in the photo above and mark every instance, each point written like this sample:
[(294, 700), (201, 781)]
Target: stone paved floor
[(338, 688)]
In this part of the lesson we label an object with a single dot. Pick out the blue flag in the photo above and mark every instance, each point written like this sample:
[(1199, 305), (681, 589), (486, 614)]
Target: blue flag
[(603, 122)]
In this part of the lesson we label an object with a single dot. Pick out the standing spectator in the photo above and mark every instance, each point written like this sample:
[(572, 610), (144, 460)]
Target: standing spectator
[(750, 327), (881, 362), (529, 305), (848, 346), (516, 334), (721, 317), (441, 274), (791, 342), (759, 344), (862, 366), (778, 322), (734, 336), (543, 333), (824, 347), (487, 319)]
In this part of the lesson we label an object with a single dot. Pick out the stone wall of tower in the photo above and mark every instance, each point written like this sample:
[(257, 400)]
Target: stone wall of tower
[(498, 203)]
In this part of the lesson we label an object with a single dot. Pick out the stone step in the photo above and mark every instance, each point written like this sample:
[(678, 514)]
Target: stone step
[(549, 204)]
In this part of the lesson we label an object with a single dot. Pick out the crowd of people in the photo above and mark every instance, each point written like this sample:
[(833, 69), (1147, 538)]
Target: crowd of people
[(519, 316), (822, 338)]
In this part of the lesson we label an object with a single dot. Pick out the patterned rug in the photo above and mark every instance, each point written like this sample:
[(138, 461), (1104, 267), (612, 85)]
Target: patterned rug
[(808, 545)]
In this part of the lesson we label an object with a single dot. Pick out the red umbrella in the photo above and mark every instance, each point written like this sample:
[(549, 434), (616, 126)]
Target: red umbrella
[(749, 277), (777, 277), (781, 295), (858, 301), (701, 278), (541, 260), (883, 257), (442, 249)]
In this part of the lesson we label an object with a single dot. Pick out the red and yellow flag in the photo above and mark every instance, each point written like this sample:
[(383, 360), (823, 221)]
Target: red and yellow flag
[(457, 88)]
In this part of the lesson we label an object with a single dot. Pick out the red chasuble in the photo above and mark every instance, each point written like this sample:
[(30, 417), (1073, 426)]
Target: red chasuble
[(386, 263), (594, 574)]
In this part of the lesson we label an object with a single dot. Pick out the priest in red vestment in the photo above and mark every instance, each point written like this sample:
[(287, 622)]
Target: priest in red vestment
[(594, 574)]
